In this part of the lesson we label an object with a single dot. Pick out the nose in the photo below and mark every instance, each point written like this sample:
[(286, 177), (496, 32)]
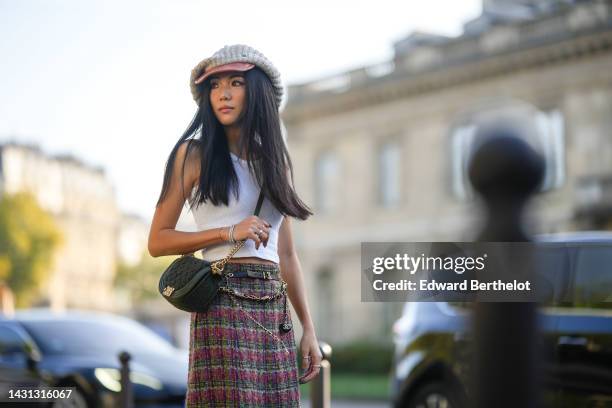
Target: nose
[(226, 93)]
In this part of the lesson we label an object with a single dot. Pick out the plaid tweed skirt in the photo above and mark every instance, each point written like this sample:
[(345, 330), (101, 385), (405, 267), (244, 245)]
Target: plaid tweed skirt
[(233, 361)]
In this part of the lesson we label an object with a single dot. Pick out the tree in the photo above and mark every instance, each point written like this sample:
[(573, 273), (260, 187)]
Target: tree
[(28, 238), (141, 279)]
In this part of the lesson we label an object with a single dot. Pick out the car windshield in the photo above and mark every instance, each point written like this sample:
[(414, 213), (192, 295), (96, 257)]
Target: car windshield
[(91, 337)]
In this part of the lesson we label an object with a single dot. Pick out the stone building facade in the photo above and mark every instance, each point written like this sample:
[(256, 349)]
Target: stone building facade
[(82, 201), (380, 151)]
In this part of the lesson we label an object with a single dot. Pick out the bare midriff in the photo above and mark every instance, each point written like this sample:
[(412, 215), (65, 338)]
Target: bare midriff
[(251, 259)]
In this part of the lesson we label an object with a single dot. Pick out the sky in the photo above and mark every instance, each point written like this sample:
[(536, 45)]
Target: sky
[(108, 81)]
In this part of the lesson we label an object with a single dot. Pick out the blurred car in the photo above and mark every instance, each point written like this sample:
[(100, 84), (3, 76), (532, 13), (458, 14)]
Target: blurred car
[(80, 349), (433, 340)]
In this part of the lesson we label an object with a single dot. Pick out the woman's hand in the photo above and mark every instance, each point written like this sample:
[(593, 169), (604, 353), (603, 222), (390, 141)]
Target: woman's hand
[(254, 228), (311, 356)]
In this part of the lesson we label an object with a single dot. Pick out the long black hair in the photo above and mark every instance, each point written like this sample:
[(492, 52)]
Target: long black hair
[(261, 138)]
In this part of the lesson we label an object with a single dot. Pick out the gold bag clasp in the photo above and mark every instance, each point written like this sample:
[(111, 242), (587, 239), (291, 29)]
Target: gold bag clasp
[(216, 269)]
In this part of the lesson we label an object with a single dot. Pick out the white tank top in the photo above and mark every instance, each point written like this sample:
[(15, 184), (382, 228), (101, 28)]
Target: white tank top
[(207, 216)]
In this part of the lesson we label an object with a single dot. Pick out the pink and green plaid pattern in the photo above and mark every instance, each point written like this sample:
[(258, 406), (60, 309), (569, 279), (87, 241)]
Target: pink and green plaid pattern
[(233, 362)]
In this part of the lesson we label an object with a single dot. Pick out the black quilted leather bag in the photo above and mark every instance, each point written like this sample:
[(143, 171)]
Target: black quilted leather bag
[(191, 284)]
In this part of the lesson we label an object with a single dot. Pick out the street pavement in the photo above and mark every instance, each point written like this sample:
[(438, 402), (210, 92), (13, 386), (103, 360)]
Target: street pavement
[(305, 403)]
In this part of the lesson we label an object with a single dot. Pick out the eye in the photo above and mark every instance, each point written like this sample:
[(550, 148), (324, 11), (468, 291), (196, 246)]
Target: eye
[(237, 82), (214, 84)]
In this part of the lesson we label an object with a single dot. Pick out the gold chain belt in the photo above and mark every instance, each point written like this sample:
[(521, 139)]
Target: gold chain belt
[(232, 291), (233, 294)]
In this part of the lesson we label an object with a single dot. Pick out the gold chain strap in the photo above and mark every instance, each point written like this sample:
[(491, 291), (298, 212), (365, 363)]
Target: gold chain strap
[(217, 267), (278, 294), (234, 294)]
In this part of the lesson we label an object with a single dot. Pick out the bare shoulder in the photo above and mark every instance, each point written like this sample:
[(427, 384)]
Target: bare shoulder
[(189, 152)]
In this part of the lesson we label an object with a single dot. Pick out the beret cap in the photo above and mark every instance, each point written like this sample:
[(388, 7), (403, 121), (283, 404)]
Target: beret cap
[(237, 53)]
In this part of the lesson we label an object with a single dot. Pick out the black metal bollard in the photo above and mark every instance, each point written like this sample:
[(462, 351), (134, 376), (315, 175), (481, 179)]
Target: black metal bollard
[(320, 391), (505, 171), (126, 396)]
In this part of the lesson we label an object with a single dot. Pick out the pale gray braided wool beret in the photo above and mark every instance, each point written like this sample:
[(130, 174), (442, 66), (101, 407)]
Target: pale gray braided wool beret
[(237, 53)]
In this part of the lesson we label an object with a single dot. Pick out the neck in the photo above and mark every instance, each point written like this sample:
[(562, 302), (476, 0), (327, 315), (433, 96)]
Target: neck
[(233, 138)]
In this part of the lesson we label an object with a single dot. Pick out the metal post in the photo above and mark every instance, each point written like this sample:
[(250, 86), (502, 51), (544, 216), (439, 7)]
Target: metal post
[(126, 396), (505, 171), (320, 391)]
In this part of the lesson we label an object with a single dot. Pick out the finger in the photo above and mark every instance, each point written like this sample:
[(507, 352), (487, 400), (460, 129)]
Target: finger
[(304, 379), (305, 360), (306, 373), (255, 239), (262, 237), (254, 230), (313, 371), (311, 374), (260, 230), (316, 359)]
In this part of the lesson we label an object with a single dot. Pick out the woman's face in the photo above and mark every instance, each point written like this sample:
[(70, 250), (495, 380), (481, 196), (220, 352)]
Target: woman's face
[(227, 95)]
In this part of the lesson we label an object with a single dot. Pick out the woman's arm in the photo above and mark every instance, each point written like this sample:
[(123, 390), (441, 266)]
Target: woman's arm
[(163, 238), (292, 274)]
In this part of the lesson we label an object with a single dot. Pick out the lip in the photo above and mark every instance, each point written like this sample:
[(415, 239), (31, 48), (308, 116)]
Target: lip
[(226, 109)]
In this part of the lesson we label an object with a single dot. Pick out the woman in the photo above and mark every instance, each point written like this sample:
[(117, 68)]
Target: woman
[(242, 351)]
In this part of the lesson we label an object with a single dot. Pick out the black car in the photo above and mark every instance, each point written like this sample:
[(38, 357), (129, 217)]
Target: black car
[(433, 352), (80, 349)]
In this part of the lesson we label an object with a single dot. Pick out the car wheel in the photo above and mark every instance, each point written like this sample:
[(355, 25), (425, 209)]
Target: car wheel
[(435, 395), (77, 400)]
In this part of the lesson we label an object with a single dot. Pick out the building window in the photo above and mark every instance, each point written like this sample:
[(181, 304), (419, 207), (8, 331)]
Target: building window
[(389, 174), (327, 182), (462, 139), (550, 142), (551, 125)]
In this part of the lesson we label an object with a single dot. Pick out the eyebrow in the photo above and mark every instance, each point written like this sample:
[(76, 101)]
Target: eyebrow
[(231, 76)]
